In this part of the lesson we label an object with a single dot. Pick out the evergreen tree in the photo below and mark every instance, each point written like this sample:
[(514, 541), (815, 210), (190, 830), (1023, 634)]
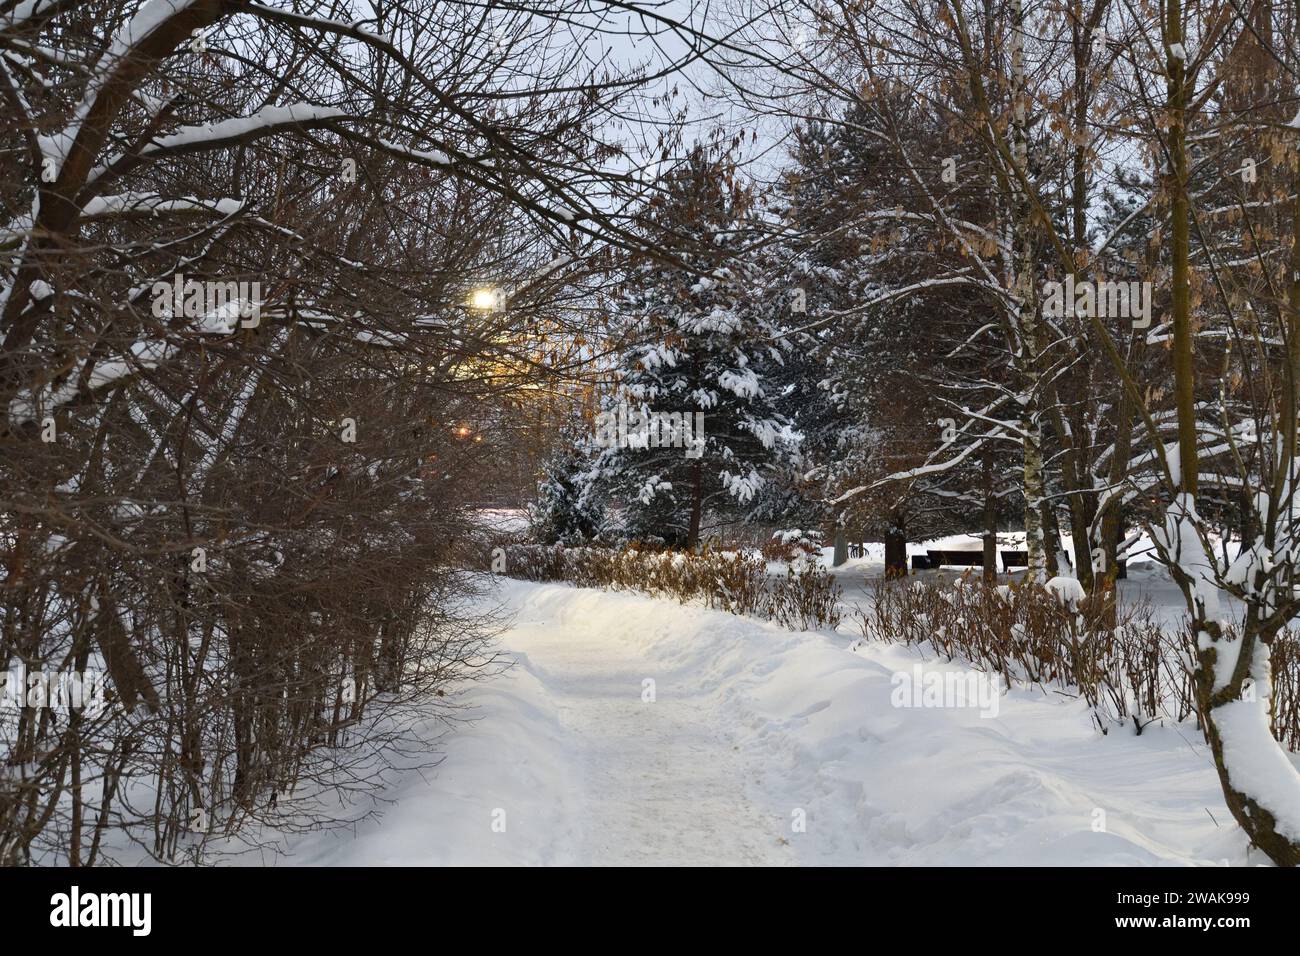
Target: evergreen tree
[(699, 349), (560, 515)]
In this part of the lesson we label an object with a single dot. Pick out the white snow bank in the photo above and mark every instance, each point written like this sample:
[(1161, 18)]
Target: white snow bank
[(503, 794)]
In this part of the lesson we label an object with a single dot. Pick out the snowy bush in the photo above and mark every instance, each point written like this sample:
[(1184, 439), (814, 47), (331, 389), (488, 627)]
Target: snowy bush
[(806, 597), (1119, 660), (791, 545)]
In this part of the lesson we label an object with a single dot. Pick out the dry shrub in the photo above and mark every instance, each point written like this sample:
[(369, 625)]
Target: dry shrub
[(774, 549), (1122, 663), (805, 598), (739, 585), (1285, 659), (789, 546), (729, 581)]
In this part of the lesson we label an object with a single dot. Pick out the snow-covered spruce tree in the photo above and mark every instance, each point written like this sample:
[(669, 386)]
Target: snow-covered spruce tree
[(699, 349), (561, 515)]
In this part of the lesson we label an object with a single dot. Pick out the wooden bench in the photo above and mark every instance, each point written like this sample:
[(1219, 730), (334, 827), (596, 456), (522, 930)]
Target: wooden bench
[(960, 559), (932, 560), (1020, 559), (1014, 559)]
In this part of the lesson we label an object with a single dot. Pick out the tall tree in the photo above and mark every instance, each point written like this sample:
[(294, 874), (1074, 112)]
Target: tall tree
[(701, 351)]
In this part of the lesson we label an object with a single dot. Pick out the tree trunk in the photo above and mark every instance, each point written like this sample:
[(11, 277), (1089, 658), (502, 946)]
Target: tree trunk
[(841, 548), (1027, 321), (1076, 472), (1051, 540), (697, 505), (1251, 765), (75, 742), (1176, 187), (895, 551), (1081, 515), (1112, 521), (990, 522), (1258, 822)]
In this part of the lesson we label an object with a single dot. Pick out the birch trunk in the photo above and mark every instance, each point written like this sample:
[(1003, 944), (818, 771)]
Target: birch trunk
[(1027, 320), (1232, 679)]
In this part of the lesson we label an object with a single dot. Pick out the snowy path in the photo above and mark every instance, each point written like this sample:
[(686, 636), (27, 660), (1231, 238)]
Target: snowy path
[(768, 747), (661, 784)]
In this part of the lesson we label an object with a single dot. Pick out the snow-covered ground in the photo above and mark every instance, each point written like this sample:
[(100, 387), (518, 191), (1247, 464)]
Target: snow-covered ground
[(758, 745)]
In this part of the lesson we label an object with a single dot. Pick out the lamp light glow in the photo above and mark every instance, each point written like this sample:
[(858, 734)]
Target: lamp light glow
[(486, 299)]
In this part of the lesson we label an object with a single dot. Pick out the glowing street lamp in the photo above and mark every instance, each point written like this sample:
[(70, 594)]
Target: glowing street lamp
[(485, 299)]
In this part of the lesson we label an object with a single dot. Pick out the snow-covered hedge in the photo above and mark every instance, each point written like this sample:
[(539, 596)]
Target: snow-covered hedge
[(1117, 658), (1127, 667), (807, 597)]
